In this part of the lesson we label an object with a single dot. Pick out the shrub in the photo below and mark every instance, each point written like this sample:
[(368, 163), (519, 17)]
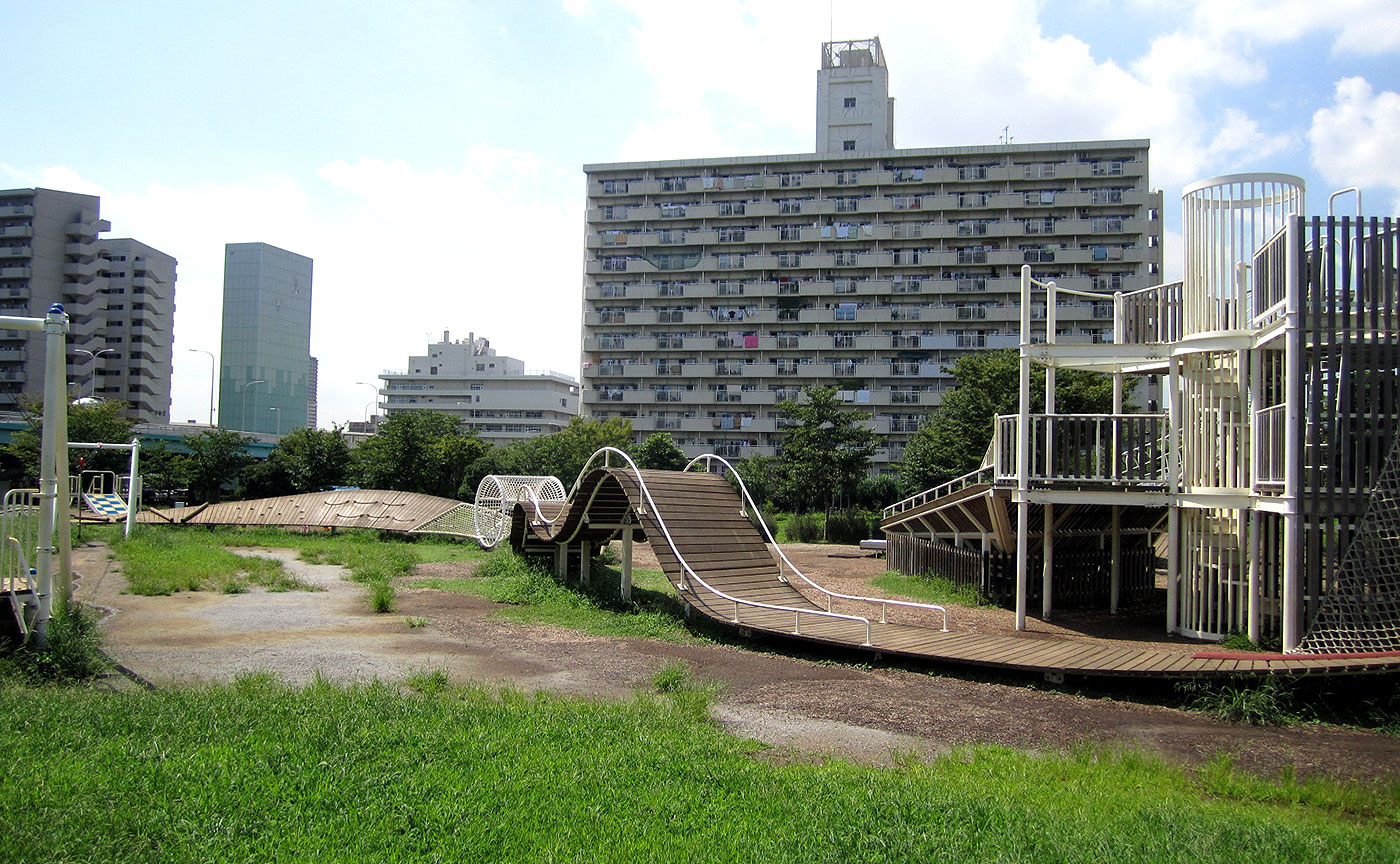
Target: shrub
[(806, 528), (849, 527)]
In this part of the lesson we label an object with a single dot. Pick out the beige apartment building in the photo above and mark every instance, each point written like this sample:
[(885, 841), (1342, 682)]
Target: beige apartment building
[(119, 295), (491, 393), (717, 288)]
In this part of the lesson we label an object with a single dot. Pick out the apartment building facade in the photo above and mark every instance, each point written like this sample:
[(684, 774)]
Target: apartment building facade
[(119, 295), (715, 289), (491, 393)]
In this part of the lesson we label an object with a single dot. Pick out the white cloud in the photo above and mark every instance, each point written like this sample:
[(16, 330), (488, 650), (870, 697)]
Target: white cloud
[(1354, 139), (1361, 27)]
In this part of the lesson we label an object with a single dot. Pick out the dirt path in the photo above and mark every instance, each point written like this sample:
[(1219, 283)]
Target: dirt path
[(802, 707)]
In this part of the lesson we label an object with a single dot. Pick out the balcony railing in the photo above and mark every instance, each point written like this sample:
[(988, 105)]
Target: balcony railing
[(1269, 431), (1086, 448)]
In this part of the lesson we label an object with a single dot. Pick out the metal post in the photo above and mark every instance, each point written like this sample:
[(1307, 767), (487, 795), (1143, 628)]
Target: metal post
[(1115, 564), (1292, 446), (625, 590), (212, 364), (51, 453), (561, 562), (133, 491), (585, 558), (1174, 490), (1023, 450)]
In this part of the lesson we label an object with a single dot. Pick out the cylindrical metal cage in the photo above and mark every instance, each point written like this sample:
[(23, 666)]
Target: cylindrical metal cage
[(497, 495), (1224, 221)]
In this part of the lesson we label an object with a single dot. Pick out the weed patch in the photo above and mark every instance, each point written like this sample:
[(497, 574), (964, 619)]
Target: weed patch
[(71, 653), (1261, 701), (929, 589), (157, 561)]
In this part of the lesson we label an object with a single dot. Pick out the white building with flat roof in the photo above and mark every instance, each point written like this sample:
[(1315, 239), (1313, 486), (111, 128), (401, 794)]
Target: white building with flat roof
[(493, 394)]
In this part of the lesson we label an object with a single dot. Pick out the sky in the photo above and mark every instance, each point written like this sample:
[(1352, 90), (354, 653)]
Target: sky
[(428, 153)]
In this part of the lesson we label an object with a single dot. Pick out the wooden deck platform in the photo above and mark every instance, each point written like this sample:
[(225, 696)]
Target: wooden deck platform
[(696, 526)]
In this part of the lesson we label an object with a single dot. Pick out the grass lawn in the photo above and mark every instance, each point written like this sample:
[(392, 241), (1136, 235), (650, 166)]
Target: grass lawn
[(258, 771)]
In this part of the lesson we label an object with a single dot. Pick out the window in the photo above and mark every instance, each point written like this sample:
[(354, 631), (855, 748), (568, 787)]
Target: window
[(850, 102), (848, 144)]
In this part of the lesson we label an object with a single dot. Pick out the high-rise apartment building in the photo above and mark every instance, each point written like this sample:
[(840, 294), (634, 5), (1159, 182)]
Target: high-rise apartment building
[(491, 393), (266, 347), (119, 295), (717, 288)]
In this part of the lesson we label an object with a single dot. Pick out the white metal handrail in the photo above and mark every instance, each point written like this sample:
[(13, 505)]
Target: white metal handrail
[(606, 453), (748, 499), (957, 484)]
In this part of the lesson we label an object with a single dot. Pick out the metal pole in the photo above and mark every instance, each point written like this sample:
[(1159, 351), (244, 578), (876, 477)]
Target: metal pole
[(243, 409), (1292, 446), (50, 452), (133, 490), (626, 588), (212, 364), (1023, 450)]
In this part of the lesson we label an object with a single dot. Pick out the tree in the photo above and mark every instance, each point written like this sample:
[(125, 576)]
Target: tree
[(564, 453), (312, 459), (163, 471), (89, 422), (954, 438), (417, 451), (217, 460), (660, 453), (826, 449)]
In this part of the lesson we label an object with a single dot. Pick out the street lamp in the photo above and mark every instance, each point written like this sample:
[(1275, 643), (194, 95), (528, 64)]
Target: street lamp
[(212, 364), (243, 410), (375, 388), (279, 420), (92, 387)]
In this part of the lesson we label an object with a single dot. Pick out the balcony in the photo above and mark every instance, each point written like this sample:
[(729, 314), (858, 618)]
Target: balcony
[(1123, 449)]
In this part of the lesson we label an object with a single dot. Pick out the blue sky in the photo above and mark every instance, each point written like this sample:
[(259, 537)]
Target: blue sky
[(428, 155)]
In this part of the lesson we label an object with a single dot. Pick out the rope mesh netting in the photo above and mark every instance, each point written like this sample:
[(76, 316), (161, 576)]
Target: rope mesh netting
[(1361, 610)]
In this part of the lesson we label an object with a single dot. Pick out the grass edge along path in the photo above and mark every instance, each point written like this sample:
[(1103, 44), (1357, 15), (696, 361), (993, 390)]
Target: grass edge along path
[(534, 596), (258, 770)]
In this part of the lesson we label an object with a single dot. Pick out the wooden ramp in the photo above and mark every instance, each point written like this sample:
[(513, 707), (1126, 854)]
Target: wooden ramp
[(723, 568)]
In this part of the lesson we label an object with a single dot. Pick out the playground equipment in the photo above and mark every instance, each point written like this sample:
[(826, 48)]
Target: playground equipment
[(101, 490), (31, 527)]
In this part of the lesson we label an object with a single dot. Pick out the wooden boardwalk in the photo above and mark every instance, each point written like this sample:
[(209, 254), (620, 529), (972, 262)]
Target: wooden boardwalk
[(701, 537)]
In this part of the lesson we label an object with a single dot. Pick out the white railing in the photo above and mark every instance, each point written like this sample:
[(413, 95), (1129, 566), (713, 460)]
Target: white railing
[(689, 573), (1149, 316), (830, 595), (19, 538), (957, 484), (1086, 448), (1270, 429)]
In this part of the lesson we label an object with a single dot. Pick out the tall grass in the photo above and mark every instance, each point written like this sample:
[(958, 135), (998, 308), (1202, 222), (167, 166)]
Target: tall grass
[(261, 771), (164, 561), (70, 653)]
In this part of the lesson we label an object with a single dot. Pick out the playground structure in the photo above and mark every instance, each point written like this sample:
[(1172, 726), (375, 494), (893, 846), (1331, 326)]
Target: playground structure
[(101, 491), (1269, 481), (723, 564), (36, 561)]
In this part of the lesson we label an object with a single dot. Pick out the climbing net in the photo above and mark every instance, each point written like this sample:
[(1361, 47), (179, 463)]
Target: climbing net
[(1361, 610)]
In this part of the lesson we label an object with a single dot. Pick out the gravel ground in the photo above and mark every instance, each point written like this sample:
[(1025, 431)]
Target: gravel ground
[(807, 708)]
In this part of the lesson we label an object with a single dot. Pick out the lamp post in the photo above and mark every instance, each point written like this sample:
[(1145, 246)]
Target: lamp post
[(375, 388), (279, 420), (212, 364), (92, 386), (243, 411)]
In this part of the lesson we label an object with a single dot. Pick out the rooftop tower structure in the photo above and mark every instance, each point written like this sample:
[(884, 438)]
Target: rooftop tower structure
[(854, 108)]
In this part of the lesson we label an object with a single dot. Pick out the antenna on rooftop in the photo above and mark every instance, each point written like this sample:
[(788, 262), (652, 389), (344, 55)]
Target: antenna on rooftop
[(1006, 134)]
